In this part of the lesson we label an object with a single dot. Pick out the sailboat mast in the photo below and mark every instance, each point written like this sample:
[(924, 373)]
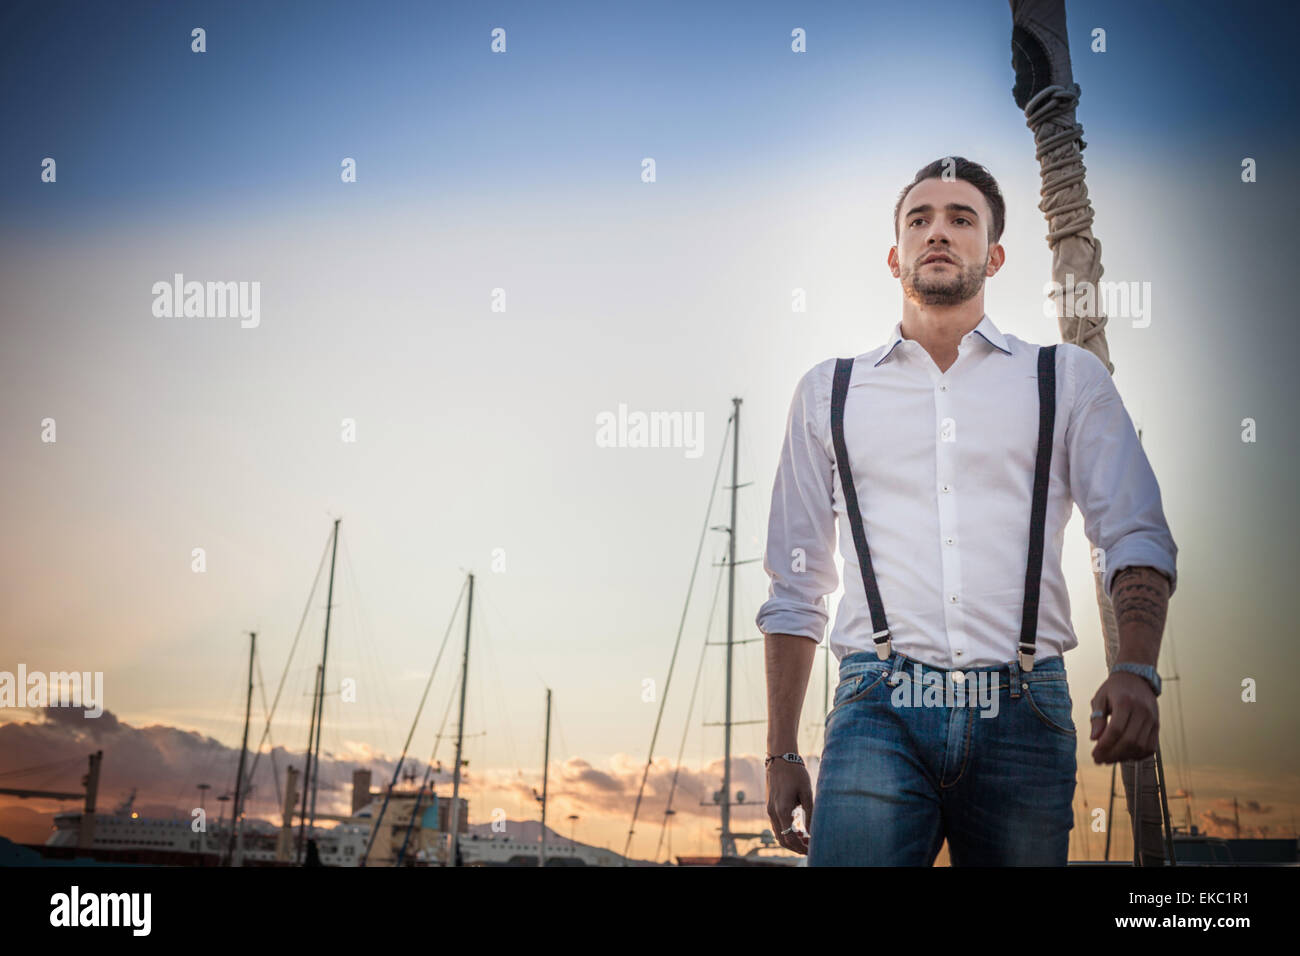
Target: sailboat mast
[(306, 772), (243, 750), (454, 816), (728, 844), (546, 766), (325, 646)]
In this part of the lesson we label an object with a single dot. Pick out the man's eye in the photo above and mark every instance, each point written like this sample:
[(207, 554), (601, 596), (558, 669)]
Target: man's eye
[(915, 221), (963, 219)]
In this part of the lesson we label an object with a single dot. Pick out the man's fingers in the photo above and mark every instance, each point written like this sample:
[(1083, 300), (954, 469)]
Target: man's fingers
[(784, 796), (806, 801), (780, 815), (1119, 720), (1100, 704), (1135, 736), (1153, 738)]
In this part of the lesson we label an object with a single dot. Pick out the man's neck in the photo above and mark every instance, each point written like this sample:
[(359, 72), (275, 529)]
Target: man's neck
[(939, 328)]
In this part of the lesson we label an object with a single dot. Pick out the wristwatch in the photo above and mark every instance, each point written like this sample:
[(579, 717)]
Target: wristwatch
[(790, 758), (1142, 670)]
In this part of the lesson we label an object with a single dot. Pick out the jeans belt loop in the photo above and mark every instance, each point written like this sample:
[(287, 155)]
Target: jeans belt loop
[(894, 671)]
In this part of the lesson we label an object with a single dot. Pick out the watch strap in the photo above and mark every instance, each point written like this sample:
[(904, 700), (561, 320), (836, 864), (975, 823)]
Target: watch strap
[(1145, 671)]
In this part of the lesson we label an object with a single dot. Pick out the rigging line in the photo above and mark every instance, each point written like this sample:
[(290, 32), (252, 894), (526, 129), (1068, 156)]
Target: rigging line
[(419, 794), (681, 750), (486, 630), (365, 660), (490, 607), (1185, 761), (446, 715), (369, 658), (222, 752), (45, 779), (681, 627), (293, 647), (275, 771), (65, 762), (557, 718), (397, 769), (491, 604), (1185, 771), (428, 773)]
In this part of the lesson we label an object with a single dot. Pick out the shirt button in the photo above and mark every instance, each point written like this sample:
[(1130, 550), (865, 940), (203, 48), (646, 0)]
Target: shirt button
[(945, 488), (959, 653), (952, 598), (948, 540), (943, 388)]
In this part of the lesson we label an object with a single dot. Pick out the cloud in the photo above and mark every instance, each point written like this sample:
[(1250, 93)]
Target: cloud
[(164, 764), (98, 727), (578, 787)]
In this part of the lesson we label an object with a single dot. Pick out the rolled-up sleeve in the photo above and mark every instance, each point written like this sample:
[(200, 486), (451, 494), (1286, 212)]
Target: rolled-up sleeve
[(1110, 477), (799, 557)]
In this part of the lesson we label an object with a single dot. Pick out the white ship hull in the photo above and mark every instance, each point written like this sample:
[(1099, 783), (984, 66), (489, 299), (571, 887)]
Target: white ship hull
[(340, 846)]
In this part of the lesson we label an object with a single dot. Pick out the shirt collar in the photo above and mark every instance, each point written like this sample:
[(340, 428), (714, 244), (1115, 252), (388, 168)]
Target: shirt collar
[(986, 328)]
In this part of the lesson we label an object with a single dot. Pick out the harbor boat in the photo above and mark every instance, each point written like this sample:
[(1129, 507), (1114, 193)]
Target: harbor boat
[(124, 832)]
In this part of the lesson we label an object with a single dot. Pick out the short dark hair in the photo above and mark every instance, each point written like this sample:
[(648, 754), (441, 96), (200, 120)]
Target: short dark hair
[(973, 173)]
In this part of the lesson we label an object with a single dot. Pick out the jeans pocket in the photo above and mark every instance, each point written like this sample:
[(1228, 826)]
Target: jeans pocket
[(856, 688), (1051, 704)]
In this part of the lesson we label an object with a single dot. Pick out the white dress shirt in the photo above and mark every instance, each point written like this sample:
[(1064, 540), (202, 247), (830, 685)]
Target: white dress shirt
[(944, 468)]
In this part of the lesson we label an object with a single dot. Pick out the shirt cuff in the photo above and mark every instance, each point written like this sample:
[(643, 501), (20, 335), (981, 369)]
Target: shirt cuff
[(778, 616), (1140, 553)]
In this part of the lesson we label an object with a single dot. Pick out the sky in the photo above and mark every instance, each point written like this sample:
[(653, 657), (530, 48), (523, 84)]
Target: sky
[(516, 178)]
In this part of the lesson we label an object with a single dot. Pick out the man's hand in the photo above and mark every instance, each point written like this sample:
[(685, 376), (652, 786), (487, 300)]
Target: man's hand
[(789, 659), (788, 786), (1131, 728)]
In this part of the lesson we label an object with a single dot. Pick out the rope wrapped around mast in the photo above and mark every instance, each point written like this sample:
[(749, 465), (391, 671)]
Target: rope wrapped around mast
[(1076, 252)]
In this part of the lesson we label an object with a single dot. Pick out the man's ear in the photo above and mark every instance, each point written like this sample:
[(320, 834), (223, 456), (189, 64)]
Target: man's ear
[(997, 256), (892, 260)]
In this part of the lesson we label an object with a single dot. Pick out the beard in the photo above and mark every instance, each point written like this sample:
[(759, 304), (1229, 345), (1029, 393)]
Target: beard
[(944, 289)]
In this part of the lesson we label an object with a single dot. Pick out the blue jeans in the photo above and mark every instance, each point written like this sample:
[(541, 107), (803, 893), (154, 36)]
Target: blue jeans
[(897, 778)]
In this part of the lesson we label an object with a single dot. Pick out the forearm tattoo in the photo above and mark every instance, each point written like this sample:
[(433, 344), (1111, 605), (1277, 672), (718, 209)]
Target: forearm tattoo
[(1140, 596)]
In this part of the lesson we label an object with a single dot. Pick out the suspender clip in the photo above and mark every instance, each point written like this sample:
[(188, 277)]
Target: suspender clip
[(883, 648), (1026, 657)]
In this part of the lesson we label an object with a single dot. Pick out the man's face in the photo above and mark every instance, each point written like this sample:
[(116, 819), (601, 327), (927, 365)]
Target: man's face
[(943, 255)]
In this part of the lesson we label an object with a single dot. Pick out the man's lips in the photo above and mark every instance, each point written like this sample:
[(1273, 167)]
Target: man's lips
[(933, 259)]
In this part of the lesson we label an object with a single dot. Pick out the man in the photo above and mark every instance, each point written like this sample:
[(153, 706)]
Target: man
[(964, 450)]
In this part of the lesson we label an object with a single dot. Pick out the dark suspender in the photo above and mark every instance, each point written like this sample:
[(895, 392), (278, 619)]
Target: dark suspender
[(1038, 513), (843, 369), (1038, 517)]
